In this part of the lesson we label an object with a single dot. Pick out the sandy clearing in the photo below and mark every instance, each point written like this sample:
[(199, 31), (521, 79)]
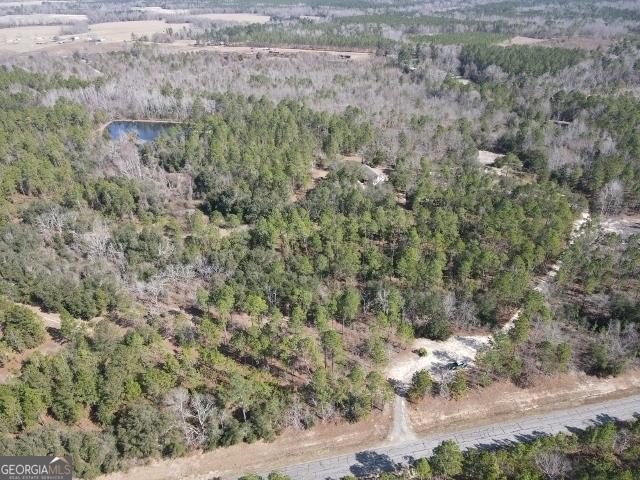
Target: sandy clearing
[(487, 158), (352, 158), (543, 283), (518, 40), (12, 367), (457, 348), (623, 225), (584, 43), (232, 17), (504, 400), (226, 232), (40, 18), (50, 320), (318, 173)]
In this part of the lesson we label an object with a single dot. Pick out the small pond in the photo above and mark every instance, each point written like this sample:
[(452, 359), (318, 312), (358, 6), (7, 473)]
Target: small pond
[(144, 131)]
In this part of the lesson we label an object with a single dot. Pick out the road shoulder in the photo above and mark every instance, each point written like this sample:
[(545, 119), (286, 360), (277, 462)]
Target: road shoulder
[(503, 400)]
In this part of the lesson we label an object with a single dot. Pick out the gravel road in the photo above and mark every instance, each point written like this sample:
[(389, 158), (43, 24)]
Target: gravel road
[(386, 458)]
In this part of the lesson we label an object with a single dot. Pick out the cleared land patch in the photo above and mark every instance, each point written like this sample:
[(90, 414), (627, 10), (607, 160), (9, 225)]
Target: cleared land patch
[(233, 17), (161, 10), (33, 38), (519, 40), (623, 225), (40, 19), (51, 322), (189, 46)]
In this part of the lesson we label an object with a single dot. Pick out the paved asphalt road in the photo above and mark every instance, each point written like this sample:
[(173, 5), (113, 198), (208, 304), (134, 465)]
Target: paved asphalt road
[(385, 458)]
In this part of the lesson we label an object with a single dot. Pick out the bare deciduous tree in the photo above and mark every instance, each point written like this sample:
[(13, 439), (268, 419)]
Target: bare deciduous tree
[(611, 197), (553, 464), (296, 414), (51, 222), (194, 414)]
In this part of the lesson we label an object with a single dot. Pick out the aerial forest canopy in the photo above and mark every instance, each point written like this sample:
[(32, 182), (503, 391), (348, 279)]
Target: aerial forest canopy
[(325, 191), (344, 256)]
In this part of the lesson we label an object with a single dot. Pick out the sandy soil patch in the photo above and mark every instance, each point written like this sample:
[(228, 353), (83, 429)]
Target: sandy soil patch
[(584, 43), (486, 157), (487, 160), (503, 400), (51, 321), (623, 225), (318, 173), (12, 367), (40, 19), (401, 429), (292, 446), (460, 349), (518, 40), (226, 232), (232, 17)]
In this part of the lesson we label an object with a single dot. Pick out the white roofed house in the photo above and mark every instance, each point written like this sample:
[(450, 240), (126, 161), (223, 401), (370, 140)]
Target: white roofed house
[(374, 175)]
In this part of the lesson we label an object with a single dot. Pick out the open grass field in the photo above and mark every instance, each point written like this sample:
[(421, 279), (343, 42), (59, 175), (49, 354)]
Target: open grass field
[(40, 19), (40, 37), (161, 10)]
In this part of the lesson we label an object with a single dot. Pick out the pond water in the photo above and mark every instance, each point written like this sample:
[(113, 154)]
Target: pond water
[(144, 131)]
